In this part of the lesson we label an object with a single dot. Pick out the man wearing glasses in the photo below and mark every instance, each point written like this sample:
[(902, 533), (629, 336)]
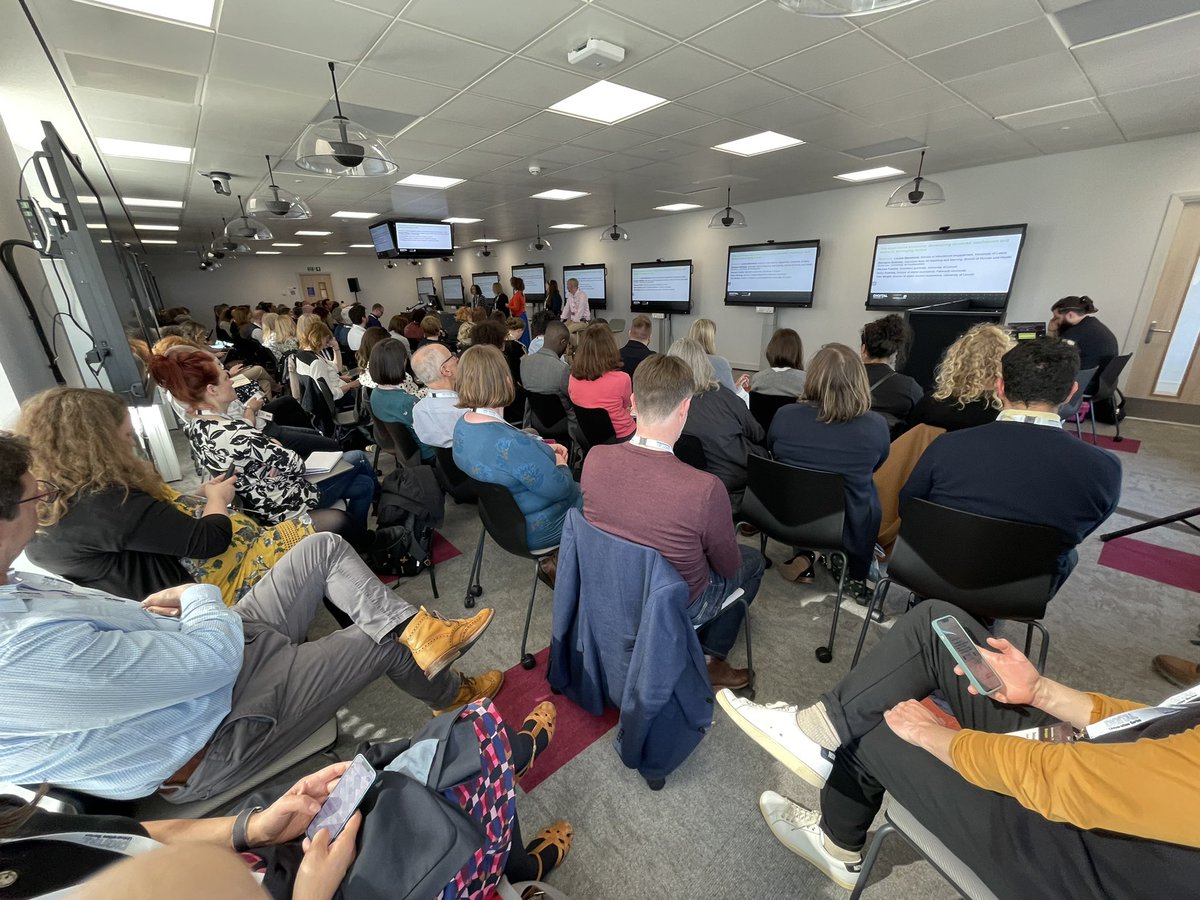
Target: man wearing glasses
[(435, 416)]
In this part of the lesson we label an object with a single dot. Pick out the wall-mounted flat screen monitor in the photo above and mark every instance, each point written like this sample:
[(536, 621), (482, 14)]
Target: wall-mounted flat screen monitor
[(452, 289), (966, 268), (425, 286), (534, 276), (780, 274), (664, 287), (418, 240), (592, 280), (384, 240), (484, 281)]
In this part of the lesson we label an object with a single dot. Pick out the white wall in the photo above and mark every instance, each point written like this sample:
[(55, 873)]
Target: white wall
[(1094, 217)]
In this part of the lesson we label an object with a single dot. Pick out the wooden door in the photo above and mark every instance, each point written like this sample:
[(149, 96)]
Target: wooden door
[(315, 288)]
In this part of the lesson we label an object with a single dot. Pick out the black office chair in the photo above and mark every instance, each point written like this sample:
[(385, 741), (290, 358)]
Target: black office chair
[(688, 449), (504, 521), (1108, 391), (458, 484), (764, 406), (990, 568), (397, 440), (798, 507), (596, 425), (1069, 411), (548, 417)]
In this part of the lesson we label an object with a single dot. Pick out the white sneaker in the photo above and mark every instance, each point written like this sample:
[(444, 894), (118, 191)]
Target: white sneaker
[(773, 727), (798, 829)]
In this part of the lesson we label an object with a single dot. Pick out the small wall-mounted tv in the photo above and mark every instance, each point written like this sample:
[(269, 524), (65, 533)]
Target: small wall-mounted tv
[(772, 274), (593, 281), (664, 287)]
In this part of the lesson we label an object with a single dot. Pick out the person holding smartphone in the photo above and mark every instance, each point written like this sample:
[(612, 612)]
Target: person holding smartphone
[(1102, 816)]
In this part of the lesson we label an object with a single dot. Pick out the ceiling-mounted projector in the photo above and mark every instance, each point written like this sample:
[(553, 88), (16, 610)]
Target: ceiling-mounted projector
[(596, 53)]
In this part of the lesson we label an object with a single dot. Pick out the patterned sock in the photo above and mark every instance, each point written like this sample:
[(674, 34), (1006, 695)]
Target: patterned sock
[(814, 721)]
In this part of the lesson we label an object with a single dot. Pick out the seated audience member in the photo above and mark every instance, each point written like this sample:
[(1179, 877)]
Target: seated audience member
[(832, 429), (885, 344), (435, 415), (537, 330), (195, 858), (637, 347), (597, 381), (543, 371), (270, 478), (222, 316), (785, 375), (489, 449), (640, 492), (493, 333), (477, 315), (362, 356), (354, 334), (117, 697), (390, 401), (396, 326), (462, 316), (280, 337), (413, 330), (720, 421), (431, 330), (1099, 817), (242, 326), (704, 331), (1074, 319), (375, 317), (964, 393), (315, 338), (117, 527), (1024, 467)]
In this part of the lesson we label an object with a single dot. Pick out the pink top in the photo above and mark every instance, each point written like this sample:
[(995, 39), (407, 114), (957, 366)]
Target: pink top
[(612, 392)]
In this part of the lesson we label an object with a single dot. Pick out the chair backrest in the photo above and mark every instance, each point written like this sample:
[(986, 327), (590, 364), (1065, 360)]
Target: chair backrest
[(801, 506), (764, 406), (502, 518), (548, 414), (688, 449), (458, 484), (616, 326), (1110, 376), (403, 445), (293, 379), (989, 567), (595, 424), (317, 401), (1083, 378)]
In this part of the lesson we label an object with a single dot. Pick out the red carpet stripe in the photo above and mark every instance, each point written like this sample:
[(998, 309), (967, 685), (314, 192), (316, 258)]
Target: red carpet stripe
[(1161, 564), (1125, 445)]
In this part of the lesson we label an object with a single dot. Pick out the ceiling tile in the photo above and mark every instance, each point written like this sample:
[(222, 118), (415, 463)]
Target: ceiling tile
[(447, 134), (929, 26), (591, 22), (784, 114), (1163, 53), (738, 95), (405, 147), (667, 119), (956, 119), (467, 164), (323, 29), (765, 33), (1105, 18), (565, 155), (1036, 37), (872, 87), (367, 87), (678, 18), (486, 112), (555, 127), (716, 133), (529, 82), (515, 145), (1172, 108), (1092, 131), (611, 139), (174, 135), (906, 106), (118, 106), (497, 24), (1061, 114), (255, 64), (431, 56), (124, 78), (837, 131), (844, 57), (679, 71), (228, 100), (1030, 84)]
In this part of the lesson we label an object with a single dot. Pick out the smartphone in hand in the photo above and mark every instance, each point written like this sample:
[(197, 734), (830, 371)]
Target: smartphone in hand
[(230, 472), (340, 805), (977, 669)]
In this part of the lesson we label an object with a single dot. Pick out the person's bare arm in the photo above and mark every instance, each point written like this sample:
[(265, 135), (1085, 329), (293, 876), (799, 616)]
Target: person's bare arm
[(182, 873)]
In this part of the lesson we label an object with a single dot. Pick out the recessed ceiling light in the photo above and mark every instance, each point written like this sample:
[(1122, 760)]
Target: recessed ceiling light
[(678, 207), (287, 245), (192, 12), (335, 253), (758, 143), (430, 181), (870, 174), (558, 194), (362, 246), (139, 201), (485, 240), (159, 242), (607, 103), (313, 233), (461, 220), (143, 150), (567, 226), (142, 226), (350, 214), (97, 226), (267, 252)]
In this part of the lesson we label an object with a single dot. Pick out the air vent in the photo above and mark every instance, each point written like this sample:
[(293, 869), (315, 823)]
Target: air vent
[(1099, 19), (126, 78)]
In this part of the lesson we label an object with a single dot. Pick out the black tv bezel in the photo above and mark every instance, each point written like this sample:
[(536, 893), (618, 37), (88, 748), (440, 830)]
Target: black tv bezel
[(528, 295), (391, 253), (461, 284), (399, 252), (593, 302), (657, 306), (772, 245), (931, 299), (487, 298)]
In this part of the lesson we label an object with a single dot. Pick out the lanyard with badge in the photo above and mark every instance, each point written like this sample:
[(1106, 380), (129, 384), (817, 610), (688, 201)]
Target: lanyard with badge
[(651, 444)]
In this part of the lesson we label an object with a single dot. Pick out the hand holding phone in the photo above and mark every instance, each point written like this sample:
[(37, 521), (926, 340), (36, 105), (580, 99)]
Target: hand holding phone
[(343, 801), (977, 669)]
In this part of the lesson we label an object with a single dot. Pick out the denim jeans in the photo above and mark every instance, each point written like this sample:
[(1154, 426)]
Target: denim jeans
[(718, 631), (357, 486)]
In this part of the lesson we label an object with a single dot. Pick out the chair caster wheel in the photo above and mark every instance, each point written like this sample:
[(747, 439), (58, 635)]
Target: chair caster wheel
[(824, 654), (656, 784), (475, 590), (528, 662), (469, 603)]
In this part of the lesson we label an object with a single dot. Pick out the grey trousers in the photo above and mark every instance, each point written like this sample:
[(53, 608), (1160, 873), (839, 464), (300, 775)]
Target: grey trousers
[(286, 689)]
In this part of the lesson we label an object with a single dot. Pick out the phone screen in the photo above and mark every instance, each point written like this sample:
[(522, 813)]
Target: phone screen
[(337, 809), (955, 637)]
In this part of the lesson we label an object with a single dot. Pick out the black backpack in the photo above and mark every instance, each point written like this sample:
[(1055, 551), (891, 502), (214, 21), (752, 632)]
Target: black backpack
[(404, 549), (404, 525)]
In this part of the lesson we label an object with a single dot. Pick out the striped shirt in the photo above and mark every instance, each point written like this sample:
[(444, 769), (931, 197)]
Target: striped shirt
[(99, 695)]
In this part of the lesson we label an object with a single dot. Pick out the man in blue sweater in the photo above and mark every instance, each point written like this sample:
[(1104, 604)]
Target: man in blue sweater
[(1024, 467)]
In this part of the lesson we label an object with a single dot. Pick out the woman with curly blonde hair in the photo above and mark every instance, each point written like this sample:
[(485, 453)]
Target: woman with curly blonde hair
[(116, 526), (964, 394)]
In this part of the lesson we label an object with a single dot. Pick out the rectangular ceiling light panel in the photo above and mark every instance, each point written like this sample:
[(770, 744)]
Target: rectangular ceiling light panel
[(755, 144), (435, 182), (144, 150), (607, 103), (461, 220), (678, 207), (558, 194), (190, 12), (870, 174), (350, 214)]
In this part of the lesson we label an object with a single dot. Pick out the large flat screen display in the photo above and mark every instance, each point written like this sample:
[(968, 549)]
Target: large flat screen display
[(968, 268), (534, 276), (424, 287), (384, 240), (452, 289), (484, 281), (664, 287), (772, 274), (592, 280)]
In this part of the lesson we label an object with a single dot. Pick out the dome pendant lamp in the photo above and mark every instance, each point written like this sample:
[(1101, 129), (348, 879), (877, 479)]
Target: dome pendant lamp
[(247, 228), (275, 201), (727, 217), (539, 245), (918, 192), (486, 251), (616, 233), (339, 146), (844, 9)]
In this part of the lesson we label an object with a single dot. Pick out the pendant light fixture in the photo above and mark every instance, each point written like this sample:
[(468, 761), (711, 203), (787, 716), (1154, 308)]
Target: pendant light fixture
[(339, 146), (538, 245), (275, 201), (727, 217), (223, 245), (918, 192), (844, 9), (247, 228), (487, 249), (616, 233)]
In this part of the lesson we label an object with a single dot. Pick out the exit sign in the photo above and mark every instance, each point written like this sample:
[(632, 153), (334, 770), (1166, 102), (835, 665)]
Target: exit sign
[(312, 268)]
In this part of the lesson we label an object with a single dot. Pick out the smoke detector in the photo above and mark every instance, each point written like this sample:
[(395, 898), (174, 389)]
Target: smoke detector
[(596, 54)]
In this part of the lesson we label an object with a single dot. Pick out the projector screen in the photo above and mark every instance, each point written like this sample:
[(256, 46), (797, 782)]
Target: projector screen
[(484, 281), (428, 237), (969, 268), (592, 280), (772, 274), (664, 287), (384, 240), (534, 276), (452, 289), (425, 286)]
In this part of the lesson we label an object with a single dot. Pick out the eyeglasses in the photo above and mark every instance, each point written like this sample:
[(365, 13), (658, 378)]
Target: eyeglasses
[(48, 492)]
